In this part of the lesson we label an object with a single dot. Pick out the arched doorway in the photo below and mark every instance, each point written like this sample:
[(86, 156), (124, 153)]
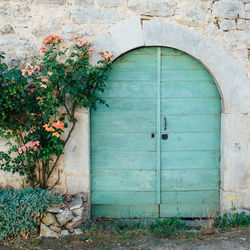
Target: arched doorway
[(155, 151)]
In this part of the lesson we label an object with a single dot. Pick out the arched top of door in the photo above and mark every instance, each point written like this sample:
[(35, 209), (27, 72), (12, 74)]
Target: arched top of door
[(228, 74)]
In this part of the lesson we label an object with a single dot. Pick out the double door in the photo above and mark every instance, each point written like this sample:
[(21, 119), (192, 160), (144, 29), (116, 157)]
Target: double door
[(155, 151)]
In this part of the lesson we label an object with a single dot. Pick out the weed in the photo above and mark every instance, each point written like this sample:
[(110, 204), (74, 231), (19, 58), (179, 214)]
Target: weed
[(228, 221), (168, 227)]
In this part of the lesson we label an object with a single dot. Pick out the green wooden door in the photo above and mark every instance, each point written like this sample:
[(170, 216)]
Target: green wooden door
[(155, 149)]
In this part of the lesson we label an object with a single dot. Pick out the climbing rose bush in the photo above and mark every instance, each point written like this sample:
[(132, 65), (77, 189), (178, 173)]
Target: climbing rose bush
[(39, 101)]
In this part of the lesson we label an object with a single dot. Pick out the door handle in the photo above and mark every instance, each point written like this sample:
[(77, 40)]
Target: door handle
[(165, 120)]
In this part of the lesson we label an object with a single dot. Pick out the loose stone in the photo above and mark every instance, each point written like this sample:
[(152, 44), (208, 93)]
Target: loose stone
[(49, 219), (77, 231), (54, 210), (64, 217), (78, 212), (65, 232), (76, 222), (47, 232), (75, 203), (55, 228)]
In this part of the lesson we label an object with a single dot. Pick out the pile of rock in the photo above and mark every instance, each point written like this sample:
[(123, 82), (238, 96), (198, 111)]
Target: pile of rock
[(62, 221)]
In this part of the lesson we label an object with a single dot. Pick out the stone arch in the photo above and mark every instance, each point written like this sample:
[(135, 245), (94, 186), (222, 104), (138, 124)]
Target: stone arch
[(231, 80), (229, 76)]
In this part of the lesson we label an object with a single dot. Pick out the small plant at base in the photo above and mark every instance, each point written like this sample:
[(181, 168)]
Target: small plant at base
[(20, 210), (31, 100), (228, 221), (232, 220), (167, 227)]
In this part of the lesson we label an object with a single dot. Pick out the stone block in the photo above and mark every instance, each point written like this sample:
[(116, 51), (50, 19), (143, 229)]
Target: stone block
[(212, 29), (245, 14), (64, 233), (227, 9), (127, 34), (7, 29), (76, 184), (154, 8), (194, 13), (64, 217), (76, 203), (241, 200), (241, 24), (227, 24), (235, 136), (105, 42), (55, 228), (54, 210), (47, 232), (248, 24), (247, 7), (76, 155), (5, 10), (77, 231), (84, 3), (111, 3), (48, 219), (232, 79), (60, 2), (76, 222), (92, 15), (176, 36), (78, 212)]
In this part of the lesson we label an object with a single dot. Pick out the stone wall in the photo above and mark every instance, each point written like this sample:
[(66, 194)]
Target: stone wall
[(24, 23)]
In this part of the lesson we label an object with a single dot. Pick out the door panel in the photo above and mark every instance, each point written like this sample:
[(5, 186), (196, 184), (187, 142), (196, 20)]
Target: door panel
[(137, 173), (123, 151), (190, 115)]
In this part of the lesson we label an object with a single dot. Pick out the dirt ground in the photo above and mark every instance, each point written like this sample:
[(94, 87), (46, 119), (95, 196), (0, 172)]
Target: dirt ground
[(236, 239)]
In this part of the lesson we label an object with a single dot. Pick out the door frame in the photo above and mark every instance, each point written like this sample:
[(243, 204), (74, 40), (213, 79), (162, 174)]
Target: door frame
[(232, 83)]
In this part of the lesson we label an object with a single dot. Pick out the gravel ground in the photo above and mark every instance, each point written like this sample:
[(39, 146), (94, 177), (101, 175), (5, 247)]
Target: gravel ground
[(236, 239)]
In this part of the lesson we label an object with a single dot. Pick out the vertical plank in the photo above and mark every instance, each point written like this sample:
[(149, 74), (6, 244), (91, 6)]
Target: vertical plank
[(158, 148)]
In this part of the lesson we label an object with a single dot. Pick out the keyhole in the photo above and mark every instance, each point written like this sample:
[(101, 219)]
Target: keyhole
[(152, 135)]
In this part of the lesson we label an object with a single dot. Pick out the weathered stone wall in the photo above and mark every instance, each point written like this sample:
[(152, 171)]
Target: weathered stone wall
[(24, 23)]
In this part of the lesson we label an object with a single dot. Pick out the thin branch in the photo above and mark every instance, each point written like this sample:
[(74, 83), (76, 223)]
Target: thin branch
[(58, 157), (66, 109), (57, 181), (22, 139)]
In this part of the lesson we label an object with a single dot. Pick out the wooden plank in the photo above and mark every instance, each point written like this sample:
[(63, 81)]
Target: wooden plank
[(123, 123), (123, 141), (191, 123), (139, 75), (181, 61), (191, 141), (124, 198), (146, 211), (190, 179), (101, 160), (189, 204), (185, 75), (135, 62), (127, 106), (129, 89), (189, 89), (124, 180), (190, 159), (191, 106), (158, 127)]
